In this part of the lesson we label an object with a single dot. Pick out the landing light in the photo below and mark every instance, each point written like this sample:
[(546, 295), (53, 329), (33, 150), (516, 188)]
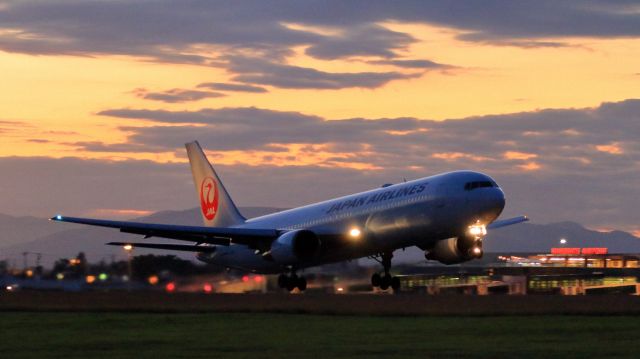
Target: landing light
[(354, 232), (478, 230), (477, 250), (128, 247), (59, 217)]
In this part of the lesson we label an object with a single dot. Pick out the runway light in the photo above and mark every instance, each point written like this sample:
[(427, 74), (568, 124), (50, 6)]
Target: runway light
[(170, 287), (128, 247), (354, 232), (208, 288)]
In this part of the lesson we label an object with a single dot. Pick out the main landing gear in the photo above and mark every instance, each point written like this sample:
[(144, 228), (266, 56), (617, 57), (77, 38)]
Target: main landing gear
[(385, 280), (292, 282)]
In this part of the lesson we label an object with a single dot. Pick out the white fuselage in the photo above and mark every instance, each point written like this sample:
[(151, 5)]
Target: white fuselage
[(414, 213)]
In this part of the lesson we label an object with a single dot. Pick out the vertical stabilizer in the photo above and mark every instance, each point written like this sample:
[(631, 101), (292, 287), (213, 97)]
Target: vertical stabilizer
[(216, 206)]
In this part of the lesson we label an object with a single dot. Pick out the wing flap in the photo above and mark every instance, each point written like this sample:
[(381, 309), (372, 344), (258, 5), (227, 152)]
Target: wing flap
[(172, 247)]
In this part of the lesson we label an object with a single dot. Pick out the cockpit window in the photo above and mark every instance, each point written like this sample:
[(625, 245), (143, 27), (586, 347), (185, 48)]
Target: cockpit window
[(479, 184)]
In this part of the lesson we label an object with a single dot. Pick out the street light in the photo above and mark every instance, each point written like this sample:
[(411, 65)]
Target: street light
[(129, 249)]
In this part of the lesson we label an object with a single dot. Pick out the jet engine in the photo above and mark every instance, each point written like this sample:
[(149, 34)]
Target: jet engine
[(458, 249), (294, 246)]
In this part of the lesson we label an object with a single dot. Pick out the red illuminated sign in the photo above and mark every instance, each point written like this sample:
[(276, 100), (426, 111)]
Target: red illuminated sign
[(594, 250), (578, 251), (565, 251)]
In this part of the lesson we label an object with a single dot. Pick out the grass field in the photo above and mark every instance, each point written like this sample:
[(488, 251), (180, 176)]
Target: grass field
[(259, 335)]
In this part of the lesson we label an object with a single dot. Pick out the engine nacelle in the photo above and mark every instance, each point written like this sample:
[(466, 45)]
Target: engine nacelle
[(295, 246), (456, 250)]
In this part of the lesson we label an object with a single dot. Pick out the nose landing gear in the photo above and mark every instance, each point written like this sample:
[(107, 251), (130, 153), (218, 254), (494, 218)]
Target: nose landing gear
[(385, 280)]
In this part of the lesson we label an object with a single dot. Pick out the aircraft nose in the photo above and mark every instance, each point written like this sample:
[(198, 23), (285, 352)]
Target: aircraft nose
[(499, 199), (490, 204)]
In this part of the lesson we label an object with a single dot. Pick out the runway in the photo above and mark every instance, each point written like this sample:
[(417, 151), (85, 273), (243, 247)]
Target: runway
[(365, 304)]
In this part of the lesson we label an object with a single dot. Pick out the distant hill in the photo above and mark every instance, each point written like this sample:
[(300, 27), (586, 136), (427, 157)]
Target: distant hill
[(532, 237), (14, 230), (57, 240)]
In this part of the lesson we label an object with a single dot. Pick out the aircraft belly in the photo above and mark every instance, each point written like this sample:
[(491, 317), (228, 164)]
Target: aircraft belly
[(241, 257)]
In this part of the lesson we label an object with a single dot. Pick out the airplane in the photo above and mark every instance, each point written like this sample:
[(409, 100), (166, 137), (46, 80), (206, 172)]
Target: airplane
[(446, 215)]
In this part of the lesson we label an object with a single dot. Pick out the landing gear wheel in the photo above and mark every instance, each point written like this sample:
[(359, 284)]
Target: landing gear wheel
[(385, 282), (375, 280), (292, 282), (395, 283), (302, 284), (282, 280)]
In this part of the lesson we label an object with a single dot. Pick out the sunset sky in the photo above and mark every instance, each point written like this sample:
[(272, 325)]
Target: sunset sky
[(301, 101)]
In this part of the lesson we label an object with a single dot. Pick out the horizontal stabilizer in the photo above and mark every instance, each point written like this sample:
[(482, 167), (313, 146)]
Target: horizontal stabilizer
[(507, 222), (172, 247)]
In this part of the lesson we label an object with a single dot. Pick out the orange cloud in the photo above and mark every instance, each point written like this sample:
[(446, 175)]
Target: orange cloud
[(404, 133), (452, 156), (294, 155), (530, 166), (612, 148), (514, 155)]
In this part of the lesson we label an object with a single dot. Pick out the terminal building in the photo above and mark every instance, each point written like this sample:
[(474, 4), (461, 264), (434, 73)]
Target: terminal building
[(576, 257), (563, 271)]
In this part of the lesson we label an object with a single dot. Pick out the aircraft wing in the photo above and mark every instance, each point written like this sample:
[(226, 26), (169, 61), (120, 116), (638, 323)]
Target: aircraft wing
[(255, 238), (507, 222)]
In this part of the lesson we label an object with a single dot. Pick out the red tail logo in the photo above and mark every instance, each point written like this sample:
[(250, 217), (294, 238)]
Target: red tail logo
[(209, 198)]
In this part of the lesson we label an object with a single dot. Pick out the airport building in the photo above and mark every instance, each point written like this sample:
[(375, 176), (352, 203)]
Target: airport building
[(564, 271)]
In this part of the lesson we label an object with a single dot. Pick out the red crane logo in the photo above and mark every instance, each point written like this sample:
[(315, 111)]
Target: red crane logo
[(209, 198)]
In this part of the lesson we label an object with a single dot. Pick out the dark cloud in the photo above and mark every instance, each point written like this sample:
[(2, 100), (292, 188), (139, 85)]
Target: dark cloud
[(550, 134), (221, 86), (176, 95), (14, 126), (262, 72), (165, 31), (364, 40)]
